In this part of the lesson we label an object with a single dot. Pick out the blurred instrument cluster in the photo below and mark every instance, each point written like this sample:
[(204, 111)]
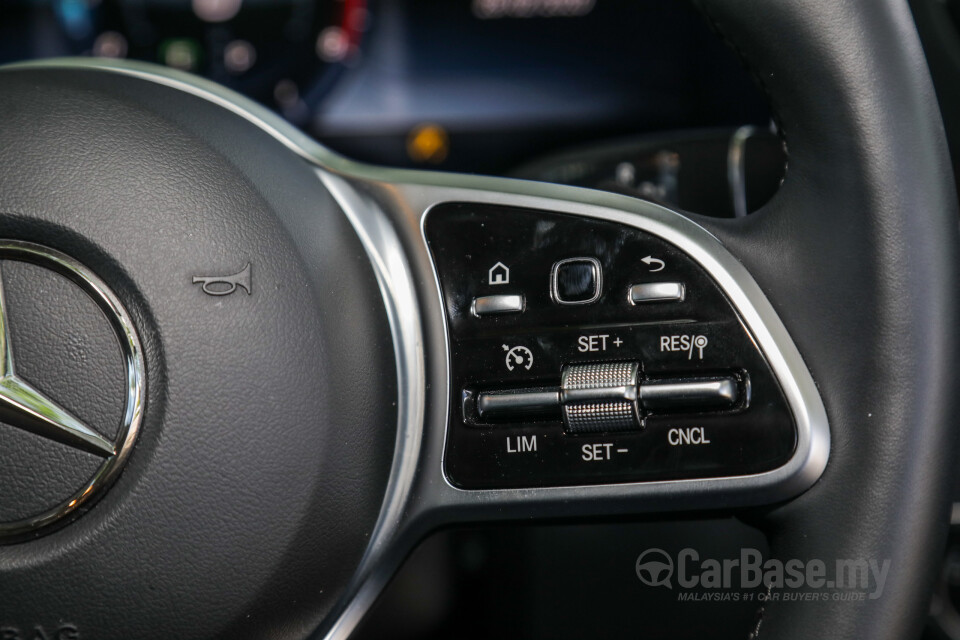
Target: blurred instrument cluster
[(502, 87), (286, 54)]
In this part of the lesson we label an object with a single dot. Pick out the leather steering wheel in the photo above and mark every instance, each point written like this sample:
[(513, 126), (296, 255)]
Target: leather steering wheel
[(265, 441)]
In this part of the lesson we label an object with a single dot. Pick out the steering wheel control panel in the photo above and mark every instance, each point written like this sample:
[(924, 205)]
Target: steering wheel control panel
[(585, 351)]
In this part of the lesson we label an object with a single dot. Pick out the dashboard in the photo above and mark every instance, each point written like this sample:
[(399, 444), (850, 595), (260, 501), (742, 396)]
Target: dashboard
[(483, 86)]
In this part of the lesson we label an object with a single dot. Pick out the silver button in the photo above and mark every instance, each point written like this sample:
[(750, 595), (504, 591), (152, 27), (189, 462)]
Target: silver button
[(600, 397), (492, 305), (657, 292)]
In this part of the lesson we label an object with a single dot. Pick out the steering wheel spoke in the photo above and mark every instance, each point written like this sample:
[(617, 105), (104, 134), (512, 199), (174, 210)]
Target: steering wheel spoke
[(494, 426)]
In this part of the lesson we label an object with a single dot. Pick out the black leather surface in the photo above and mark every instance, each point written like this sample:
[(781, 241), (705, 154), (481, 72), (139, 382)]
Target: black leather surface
[(270, 418), (858, 253)]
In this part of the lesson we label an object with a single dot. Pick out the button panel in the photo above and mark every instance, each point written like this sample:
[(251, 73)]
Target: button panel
[(704, 402)]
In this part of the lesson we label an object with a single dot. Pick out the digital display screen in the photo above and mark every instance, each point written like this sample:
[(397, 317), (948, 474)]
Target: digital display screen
[(468, 85)]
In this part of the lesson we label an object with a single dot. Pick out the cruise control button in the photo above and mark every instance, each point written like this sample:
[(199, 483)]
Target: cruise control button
[(576, 281), (599, 397), (520, 404), (494, 305), (657, 292), (689, 395)]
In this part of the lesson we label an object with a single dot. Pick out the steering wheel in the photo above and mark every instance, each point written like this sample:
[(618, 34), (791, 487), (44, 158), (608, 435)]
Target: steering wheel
[(242, 376)]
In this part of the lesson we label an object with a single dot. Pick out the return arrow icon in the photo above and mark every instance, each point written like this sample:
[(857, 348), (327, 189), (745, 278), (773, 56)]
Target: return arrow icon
[(650, 261)]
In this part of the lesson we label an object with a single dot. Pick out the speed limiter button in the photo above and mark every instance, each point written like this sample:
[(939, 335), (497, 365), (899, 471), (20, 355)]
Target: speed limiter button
[(518, 357)]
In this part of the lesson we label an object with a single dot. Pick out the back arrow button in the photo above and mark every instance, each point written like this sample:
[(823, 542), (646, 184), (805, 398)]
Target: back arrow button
[(650, 261)]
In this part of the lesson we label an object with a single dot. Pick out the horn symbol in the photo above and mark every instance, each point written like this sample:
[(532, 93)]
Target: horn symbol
[(225, 285)]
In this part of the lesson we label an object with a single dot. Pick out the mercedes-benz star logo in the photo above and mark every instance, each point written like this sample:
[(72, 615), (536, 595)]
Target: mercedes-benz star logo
[(24, 407)]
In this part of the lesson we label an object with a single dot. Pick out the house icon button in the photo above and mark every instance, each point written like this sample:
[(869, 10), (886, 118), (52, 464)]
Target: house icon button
[(499, 274)]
